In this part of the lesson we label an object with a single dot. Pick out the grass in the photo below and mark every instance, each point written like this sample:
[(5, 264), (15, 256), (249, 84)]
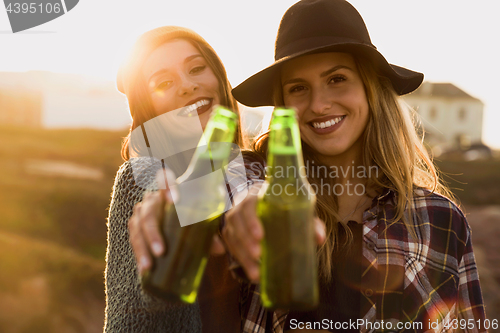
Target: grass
[(52, 288), (71, 212), (53, 230)]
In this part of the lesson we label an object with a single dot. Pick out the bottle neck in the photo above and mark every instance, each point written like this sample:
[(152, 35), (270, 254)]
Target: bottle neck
[(285, 159), (213, 150)]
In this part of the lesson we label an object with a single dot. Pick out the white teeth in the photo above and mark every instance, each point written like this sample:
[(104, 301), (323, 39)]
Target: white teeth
[(194, 107), (328, 123)]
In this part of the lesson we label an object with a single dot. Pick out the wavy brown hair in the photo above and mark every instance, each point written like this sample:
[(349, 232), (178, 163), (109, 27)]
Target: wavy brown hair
[(141, 106), (390, 142)]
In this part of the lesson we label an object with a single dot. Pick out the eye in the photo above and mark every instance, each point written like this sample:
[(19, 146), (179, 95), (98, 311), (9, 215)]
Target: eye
[(296, 89), (163, 85), (337, 78), (197, 69)]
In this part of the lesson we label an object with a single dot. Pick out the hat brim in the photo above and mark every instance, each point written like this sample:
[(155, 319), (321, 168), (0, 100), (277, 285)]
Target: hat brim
[(257, 90)]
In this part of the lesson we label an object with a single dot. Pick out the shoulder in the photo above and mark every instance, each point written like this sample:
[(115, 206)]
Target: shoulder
[(246, 165), (435, 201), (436, 204), (138, 172), (133, 178), (443, 219), (254, 164)]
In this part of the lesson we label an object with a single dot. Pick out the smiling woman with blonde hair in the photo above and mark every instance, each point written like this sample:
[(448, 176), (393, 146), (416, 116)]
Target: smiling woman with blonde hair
[(172, 74), (132, 83), (399, 252)]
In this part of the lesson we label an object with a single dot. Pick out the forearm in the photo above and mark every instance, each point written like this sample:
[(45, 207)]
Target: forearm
[(128, 307)]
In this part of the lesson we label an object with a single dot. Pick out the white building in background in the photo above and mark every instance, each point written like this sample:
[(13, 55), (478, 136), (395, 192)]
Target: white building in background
[(449, 115)]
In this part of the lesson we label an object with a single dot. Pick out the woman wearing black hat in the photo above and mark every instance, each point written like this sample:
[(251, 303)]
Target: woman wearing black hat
[(398, 255)]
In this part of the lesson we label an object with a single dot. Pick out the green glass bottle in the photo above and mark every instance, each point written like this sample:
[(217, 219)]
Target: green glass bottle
[(203, 196), (286, 208)]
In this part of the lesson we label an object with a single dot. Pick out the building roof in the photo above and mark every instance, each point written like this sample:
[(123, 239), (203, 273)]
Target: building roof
[(447, 90)]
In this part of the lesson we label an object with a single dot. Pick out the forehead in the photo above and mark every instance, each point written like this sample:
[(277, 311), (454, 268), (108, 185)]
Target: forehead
[(169, 56), (316, 63)]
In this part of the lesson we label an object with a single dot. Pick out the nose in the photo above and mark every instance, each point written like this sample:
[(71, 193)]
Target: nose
[(321, 100), (187, 85)]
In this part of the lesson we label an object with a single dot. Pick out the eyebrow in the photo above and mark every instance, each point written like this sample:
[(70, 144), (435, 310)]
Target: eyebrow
[(163, 71), (323, 74)]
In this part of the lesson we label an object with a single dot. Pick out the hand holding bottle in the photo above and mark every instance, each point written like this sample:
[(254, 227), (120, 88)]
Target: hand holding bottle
[(243, 234), (144, 226)]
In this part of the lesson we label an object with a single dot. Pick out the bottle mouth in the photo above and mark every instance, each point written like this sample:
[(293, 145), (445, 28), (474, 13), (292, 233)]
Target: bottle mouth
[(222, 111), (284, 112)]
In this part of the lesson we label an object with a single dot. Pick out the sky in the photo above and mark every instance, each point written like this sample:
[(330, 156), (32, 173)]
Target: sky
[(448, 40)]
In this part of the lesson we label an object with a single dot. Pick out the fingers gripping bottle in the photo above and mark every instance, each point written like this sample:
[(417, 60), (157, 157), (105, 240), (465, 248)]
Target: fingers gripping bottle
[(189, 224), (286, 208)]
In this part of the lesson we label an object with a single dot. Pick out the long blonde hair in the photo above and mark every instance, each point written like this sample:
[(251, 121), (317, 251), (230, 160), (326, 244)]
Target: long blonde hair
[(390, 142), (141, 106)]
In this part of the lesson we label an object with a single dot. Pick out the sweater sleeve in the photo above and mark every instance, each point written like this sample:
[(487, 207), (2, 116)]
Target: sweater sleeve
[(128, 307)]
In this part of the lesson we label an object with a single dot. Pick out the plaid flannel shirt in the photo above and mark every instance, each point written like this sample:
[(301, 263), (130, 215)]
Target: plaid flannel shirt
[(430, 279)]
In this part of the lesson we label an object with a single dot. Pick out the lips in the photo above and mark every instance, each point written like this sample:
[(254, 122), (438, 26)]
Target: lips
[(328, 124), (196, 107)]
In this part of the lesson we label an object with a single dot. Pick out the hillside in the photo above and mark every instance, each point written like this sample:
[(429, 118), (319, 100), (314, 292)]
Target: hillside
[(65, 209), (53, 228), (47, 288)]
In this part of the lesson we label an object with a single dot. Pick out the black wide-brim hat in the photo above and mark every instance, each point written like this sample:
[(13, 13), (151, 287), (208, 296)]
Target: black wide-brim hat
[(315, 26)]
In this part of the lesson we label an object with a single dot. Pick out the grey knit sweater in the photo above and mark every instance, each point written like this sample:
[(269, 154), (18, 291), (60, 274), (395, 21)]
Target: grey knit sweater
[(128, 308)]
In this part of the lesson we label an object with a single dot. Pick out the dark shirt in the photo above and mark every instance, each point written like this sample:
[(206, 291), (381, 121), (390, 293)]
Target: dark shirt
[(218, 298), (339, 299)]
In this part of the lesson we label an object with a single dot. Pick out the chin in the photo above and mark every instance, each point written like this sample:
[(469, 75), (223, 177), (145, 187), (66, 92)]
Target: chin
[(204, 118), (327, 148)]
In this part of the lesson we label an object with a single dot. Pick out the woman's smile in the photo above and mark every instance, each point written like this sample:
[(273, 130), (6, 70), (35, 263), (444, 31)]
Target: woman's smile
[(196, 107), (327, 124), (329, 96), (179, 77)]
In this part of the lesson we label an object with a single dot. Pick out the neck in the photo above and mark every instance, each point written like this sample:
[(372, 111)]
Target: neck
[(349, 166)]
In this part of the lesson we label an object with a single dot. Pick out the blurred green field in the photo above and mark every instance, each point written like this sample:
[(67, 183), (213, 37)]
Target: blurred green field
[(53, 228), (473, 182), (48, 288), (68, 211)]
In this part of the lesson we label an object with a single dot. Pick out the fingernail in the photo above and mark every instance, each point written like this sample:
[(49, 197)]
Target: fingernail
[(144, 263), (256, 232), (256, 251), (321, 231), (157, 248), (169, 197), (254, 275), (174, 195)]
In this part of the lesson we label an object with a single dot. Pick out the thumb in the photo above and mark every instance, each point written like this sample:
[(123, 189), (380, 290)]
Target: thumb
[(319, 230), (165, 180)]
